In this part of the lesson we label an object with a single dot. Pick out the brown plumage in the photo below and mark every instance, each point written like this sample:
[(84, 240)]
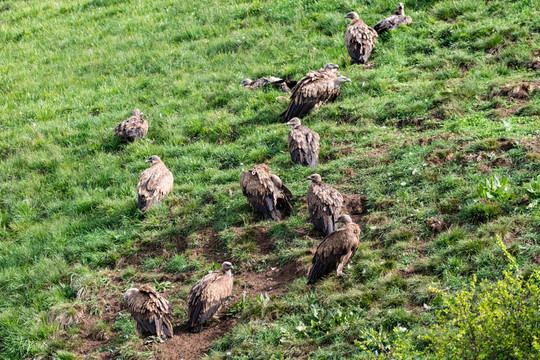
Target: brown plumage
[(278, 83), (324, 204), (303, 144), (151, 311), (154, 184), (133, 127), (207, 295), (313, 90), (360, 39), (335, 250), (266, 193), (393, 21)]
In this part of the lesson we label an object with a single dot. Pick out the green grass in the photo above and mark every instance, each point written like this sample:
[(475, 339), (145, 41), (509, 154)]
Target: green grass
[(411, 128)]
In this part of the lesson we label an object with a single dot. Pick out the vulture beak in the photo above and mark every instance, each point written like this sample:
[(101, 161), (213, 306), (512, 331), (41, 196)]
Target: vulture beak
[(147, 161), (347, 80), (289, 123)]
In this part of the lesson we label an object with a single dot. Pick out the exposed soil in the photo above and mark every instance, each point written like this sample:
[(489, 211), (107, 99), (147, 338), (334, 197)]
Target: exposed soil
[(355, 206), (520, 90)]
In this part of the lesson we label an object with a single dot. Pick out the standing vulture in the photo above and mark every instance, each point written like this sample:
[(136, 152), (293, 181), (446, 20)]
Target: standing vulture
[(303, 144), (207, 295), (151, 311), (278, 83), (359, 38), (313, 90), (335, 250), (154, 184), (393, 21), (133, 127), (266, 193), (324, 204)]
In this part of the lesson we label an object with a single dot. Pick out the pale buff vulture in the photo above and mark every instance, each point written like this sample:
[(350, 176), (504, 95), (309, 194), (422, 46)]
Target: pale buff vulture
[(360, 39), (133, 127), (303, 144), (207, 295), (324, 204), (155, 183)]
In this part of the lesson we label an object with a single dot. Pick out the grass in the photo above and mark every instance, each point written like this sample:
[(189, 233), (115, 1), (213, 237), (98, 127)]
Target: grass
[(420, 130)]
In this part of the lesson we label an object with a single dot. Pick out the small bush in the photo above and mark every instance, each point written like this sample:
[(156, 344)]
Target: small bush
[(480, 212), (179, 265)]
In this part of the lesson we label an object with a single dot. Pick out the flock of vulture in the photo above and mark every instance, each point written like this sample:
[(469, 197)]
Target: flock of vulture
[(265, 191)]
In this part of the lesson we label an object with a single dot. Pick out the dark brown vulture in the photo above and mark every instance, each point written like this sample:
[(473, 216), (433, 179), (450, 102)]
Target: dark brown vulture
[(151, 311), (393, 21), (278, 83), (154, 184), (133, 127), (324, 204), (303, 144), (360, 39), (316, 88), (207, 295), (335, 250), (266, 193)]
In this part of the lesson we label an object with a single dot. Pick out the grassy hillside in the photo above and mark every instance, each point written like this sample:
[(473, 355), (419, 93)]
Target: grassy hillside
[(416, 135)]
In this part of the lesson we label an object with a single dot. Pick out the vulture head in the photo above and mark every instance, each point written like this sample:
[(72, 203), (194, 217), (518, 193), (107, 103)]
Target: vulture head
[(294, 122), (316, 178), (352, 15), (152, 159), (130, 293), (137, 113), (330, 66), (346, 219), (400, 9), (246, 82), (226, 267), (340, 80)]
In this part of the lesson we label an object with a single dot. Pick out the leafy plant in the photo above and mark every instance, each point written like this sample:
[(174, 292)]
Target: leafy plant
[(533, 188), (495, 189)]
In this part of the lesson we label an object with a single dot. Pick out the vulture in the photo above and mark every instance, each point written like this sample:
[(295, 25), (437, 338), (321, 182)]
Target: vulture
[(266, 193), (393, 21), (151, 311), (335, 250), (303, 144), (313, 90), (154, 184), (324, 204), (360, 39), (207, 295), (278, 83), (133, 127)]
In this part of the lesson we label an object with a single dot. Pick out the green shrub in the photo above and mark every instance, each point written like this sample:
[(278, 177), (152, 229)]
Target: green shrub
[(494, 189)]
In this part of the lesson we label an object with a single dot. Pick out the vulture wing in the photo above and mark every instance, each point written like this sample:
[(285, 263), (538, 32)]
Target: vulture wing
[(314, 89), (303, 145), (333, 253), (152, 313), (154, 184), (360, 40), (205, 298), (324, 205), (391, 22), (265, 192), (132, 128)]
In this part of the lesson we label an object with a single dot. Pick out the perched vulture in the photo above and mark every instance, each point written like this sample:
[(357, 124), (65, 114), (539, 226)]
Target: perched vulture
[(154, 184), (207, 295), (303, 144), (133, 127), (393, 21), (324, 204), (151, 311), (360, 39), (278, 83), (266, 193), (313, 90), (335, 250)]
